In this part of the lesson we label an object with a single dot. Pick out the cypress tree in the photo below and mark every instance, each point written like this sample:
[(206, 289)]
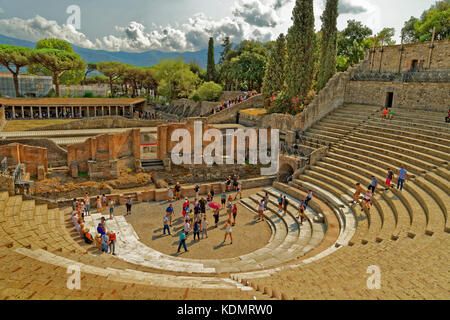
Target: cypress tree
[(274, 76), (328, 49), (211, 64), (300, 49)]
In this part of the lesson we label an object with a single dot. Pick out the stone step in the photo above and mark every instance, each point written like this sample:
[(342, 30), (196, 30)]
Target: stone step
[(394, 197)]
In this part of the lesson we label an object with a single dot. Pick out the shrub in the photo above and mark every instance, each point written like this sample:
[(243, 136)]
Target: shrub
[(208, 91), (88, 94), (280, 102)]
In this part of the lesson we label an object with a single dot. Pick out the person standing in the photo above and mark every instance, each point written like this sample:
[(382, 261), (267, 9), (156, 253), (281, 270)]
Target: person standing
[(111, 208), (367, 200), (197, 190), (88, 204), (99, 205), (301, 212), (223, 199), (104, 202), (228, 232), (357, 193), (170, 194), (285, 205), (182, 242), (261, 210), (373, 184), (112, 242), (389, 178), (280, 203), (204, 227), (401, 178), (238, 191), (229, 209), (216, 217), (177, 191), (169, 214), (196, 230), (308, 197), (234, 214), (202, 204), (128, 205), (211, 191), (166, 224)]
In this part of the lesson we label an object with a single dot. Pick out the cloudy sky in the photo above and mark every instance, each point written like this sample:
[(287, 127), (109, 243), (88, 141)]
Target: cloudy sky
[(182, 25)]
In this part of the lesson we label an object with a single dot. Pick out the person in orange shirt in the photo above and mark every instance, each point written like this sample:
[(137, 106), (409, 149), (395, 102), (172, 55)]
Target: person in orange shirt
[(112, 244), (384, 114)]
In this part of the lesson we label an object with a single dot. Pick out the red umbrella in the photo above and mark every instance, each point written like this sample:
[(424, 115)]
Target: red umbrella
[(214, 205)]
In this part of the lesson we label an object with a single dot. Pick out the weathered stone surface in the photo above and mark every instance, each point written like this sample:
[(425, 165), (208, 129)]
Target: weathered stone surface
[(161, 184), (32, 157)]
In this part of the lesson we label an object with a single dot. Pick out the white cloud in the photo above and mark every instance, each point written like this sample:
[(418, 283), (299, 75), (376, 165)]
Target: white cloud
[(255, 13), (346, 6), (37, 28), (135, 37)]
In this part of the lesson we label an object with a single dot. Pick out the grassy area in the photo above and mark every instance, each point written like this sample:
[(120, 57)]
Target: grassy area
[(254, 111), (21, 125)]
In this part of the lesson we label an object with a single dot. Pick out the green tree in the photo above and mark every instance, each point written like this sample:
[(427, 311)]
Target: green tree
[(175, 79), (14, 58), (248, 70), (91, 67), (210, 69), (352, 43), (300, 50), (274, 75), (420, 30), (328, 48), (227, 46), (57, 62), (113, 70), (70, 77), (208, 91)]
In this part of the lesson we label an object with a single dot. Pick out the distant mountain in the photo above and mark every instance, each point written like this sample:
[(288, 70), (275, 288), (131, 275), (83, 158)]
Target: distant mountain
[(142, 59)]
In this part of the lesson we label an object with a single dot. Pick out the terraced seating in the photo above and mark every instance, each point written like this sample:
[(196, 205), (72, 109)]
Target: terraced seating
[(39, 274), (25, 224), (405, 233)]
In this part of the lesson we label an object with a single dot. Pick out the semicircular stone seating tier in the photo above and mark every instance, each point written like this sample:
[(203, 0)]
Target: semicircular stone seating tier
[(288, 242), (413, 220)]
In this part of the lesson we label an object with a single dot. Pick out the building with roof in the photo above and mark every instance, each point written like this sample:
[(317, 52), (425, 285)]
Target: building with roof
[(21, 108)]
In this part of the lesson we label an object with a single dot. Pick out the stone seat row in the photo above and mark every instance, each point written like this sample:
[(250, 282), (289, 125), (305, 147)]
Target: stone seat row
[(39, 274)]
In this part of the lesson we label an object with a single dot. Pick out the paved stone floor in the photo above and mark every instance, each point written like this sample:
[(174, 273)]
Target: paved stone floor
[(248, 235)]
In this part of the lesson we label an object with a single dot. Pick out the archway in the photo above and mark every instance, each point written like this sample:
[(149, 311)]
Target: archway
[(286, 172)]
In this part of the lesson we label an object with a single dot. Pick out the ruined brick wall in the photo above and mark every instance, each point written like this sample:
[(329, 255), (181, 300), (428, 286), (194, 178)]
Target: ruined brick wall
[(419, 95), (106, 155), (31, 156), (399, 58)]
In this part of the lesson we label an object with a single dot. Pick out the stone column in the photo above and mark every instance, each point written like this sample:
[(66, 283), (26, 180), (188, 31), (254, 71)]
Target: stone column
[(56, 112), (31, 112), (23, 113), (48, 112), (117, 110), (40, 112), (13, 112), (109, 111)]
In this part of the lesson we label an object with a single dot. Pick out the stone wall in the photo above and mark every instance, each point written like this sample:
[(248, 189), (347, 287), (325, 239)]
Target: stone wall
[(229, 115), (101, 123), (431, 96), (105, 156), (399, 58), (34, 158), (56, 155)]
